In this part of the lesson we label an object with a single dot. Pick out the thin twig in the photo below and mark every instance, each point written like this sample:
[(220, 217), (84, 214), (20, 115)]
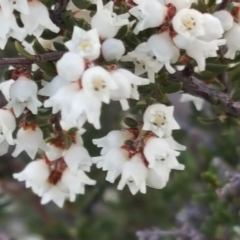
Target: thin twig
[(50, 56)]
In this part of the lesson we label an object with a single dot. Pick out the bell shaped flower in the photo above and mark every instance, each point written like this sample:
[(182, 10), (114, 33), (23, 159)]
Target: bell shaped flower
[(23, 93), (70, 67), (212, 28), (113, 139), (29, 139), (134, 174), (54, 152), (10, 28), (125, 80), (37, 19), (7, 125), (106, 21), (97, 82), (112, 49), (5, 88), (233, 45), (159, 119), (112, 162), (35, 174), (164, 50), (198, 102), (8, 6), (188, 23), (85, 43), (225, 18), (150, 14)]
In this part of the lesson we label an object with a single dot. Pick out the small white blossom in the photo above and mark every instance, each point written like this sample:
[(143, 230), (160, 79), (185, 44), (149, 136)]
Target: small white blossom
[(23, 93), (85, 43), (150, 14), (70, 67), (37, 19), (159, 119), (29, 140), (106, 21), (112, 49), (5, 88), (97, 82), (225, 18), (188, 23), (198, 102), (134, 174), (8, 6)]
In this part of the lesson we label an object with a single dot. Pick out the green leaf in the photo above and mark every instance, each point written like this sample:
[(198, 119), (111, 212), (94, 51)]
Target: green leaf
[(59, 46), (38, 48), (172, 87), (69, 20), (83, 24), (216, 68), (67, 140), (123, 31), (48, 67), (130, 122), (48, 35), (23, 52), (72, 130), (82, 4)]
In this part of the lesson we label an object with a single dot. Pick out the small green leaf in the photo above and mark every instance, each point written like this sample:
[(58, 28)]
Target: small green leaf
[(82, 4), (69, 20), (59, 46), (48, 35), (72, 130), (49, 139), (130, 122), (122, 32), (216, 68), (172, 87), (38, 48), (48, 67), (67, 140), (83, 24), (23, 52)]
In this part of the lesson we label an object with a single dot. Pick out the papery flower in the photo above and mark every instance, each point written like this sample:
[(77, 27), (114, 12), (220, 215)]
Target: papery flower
[(30, 140), (198, 49), (188, 23), (233, 45), (50, 88), (70, 67), (54, 152), (212, 28), (150, 14), (37, 19), (159, 119), (85, 43), (113, 139), (10, 28), (23, 93), (181, 4), (162, 47), (106, 21), (198, 102), (5, 88), (225, 18), (8, 6), (7, 125), (112, 162), (97, 82), (125, 80), (134, 174), (112, 49)]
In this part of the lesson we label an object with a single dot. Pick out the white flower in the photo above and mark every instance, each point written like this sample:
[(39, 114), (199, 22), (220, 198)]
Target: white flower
[(5, 88), (34, 174), (134, 174), (198, 49), (29, 140), (164, 50), (188, 23), (106, 21), (112, 162), (50, 88), (125, 80), (85, 43), (37, 19), (225, 18), (212, 28), (112, 49), (54, 152), (97, 82), (150, 14), (23, 93), (181, 4), (175, 145), (9, 5), (198, 102), (7, 125), (158, 150), (115, 138), (159, 119), (70, 67), (10, 28), (233, 45)]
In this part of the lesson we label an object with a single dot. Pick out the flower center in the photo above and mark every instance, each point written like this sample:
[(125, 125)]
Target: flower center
[(85, 45), (159, 119), (98, 84), (189, 23)]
